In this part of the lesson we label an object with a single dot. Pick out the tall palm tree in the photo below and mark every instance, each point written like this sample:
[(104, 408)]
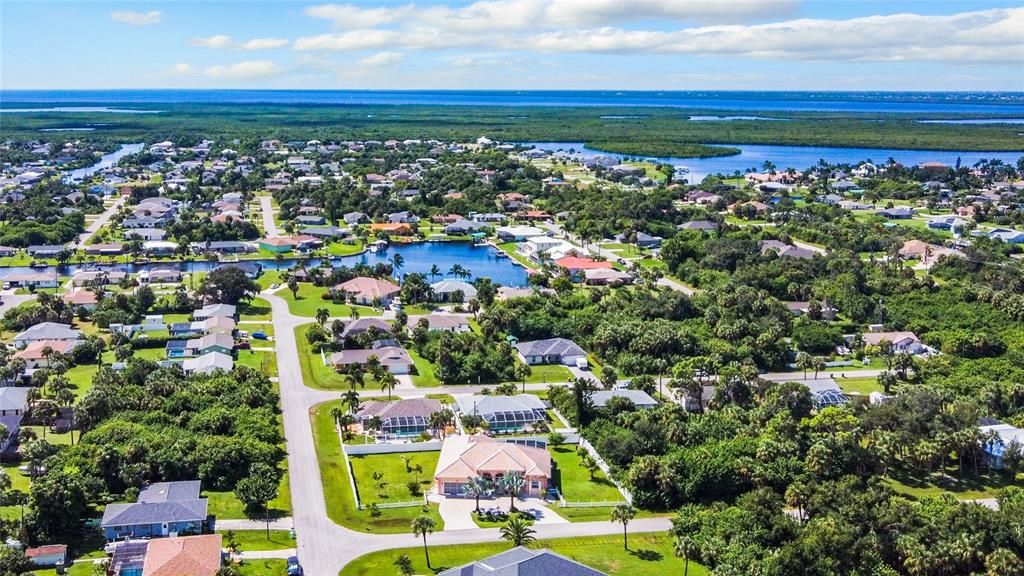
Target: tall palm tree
[(322, 314), (351, 398), (803, 361), (434, 272), (512, 483), (818, 365), (397, 261), (518, 532), (624, 513), (388, 381), (422, 526), (336, 414), (476, 487)]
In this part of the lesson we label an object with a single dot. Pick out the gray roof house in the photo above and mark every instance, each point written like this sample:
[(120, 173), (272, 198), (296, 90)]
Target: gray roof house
[(208, 363), (550, 351), (161, 510), (444, 289), (46, 331), (639, 398), (524, 562), (504, 413)]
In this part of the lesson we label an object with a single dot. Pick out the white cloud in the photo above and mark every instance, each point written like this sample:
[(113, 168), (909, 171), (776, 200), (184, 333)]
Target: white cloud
[(224, 41), (182, 69), (245, 70), (381, 59), (137, 18), (352, 17)]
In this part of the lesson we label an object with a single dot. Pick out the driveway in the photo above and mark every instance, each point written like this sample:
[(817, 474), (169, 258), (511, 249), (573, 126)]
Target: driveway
[(8, 300), (457, 513)]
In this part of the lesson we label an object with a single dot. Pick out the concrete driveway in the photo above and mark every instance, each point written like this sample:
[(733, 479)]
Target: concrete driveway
[(457, 513)]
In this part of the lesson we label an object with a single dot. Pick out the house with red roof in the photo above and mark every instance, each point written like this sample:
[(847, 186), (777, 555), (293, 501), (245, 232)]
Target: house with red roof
[(367, 291), (576, 266)]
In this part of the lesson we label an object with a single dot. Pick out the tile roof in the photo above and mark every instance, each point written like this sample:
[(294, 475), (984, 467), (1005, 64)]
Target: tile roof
[(479, 454), (524, 562), (183, 556)]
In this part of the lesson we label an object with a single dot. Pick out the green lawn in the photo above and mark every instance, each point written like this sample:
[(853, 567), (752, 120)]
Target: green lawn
[(257, 309), (424, 376), (971, 487), (81, 378), (225, 505), (343, 249), (544, 373), (395, 478), (863, 386), (341, 507), (575, 482), (263, 568), (252, 540), (264, 362), (510, 249), (314, 373), (308, 300), (650, 554), (267, 329)]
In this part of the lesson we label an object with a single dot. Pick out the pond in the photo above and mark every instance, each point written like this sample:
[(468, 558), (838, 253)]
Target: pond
[(479, 261), (106, 161), (798, 157)]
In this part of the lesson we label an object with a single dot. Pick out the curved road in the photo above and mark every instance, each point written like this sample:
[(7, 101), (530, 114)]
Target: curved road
[(324, 547)]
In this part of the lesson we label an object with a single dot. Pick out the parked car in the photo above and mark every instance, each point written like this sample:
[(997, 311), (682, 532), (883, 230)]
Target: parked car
[(294, 568), (259, 335), (243, 345)]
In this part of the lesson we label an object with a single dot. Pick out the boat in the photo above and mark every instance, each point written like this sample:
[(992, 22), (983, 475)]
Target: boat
[(373, 248), (500, 254), (37, 264)]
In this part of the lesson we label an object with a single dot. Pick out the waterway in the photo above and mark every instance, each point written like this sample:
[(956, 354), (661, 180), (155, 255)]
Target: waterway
[(479, 261), (106, 161), (783, 157)]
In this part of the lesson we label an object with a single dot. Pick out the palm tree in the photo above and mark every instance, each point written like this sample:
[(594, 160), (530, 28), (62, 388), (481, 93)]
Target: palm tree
[(336, 414), (422, 526), (624, 513), (404, 565), (521, 372), (322, 315), (388, 381), (397, 261), (434, 272), (803, 361), (476, 487), (512, 483), (685, 548), (818, 365), (378, 481), (518, 532), (351, 398), (587, 461), (293, 285)]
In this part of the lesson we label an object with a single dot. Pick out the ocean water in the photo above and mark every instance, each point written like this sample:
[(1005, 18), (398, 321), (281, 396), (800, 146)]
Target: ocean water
[(1009, 103)]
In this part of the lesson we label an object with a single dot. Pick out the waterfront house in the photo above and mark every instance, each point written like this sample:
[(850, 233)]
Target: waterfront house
[(159, 247), (447, 290), (277, 244), (252, 270), (223, 247), (550, 351), (111, 249), (463, 227), (45, 251), (325, 231), (159, 276), (504, 413), (163, 509), (518, 233), (7, 251), (465, 457), (576, 265), (368, 291), (398, 229), (32, 279)]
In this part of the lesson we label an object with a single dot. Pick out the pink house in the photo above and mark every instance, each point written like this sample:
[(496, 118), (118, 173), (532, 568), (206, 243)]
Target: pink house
[(367, 290), (465, 457)]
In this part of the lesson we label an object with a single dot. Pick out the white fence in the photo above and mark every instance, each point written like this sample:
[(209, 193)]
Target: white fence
[(604, 468), (364, 449), (568, 504)]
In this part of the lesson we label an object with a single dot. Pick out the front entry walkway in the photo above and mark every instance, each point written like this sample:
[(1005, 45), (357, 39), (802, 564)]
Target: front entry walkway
[(457, 513)]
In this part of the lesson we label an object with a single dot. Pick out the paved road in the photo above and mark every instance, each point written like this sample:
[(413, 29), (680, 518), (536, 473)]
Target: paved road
[(799, 376), (324, 547), (670, 283), (269, 225), (102, 219), (12, 300)]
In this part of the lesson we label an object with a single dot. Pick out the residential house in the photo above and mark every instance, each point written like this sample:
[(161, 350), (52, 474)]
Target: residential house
[(32, 279), (7, 251), (310, 219), (208, 363), (277, 244), (786, 250), (212, 310), (997, 437), (223, 247), (325, 231), (359, 326), (639, 398), (146, 234), (828, 312), (394, 358), (159, 247), (463, 227), (702, 225), (111, 249), (901, 341), (199, 555), (163, 509), (401, 418), (45, 251), (13, 404), (606, 277), (38, 353), (369, 291), (465, 457), (519, 233), (353, 218), (159, 276), (50, 555), (576, 266), (46, 331), (504, 413), (252, 270), (448, 291), (215, 342), (80, 298), (899, 213), (97, 277), (522, 561), (396, 228), (550, 351), (441, 322)]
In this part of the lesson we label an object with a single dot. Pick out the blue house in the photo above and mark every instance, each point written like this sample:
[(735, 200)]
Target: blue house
[(163, 509), (997, 438)]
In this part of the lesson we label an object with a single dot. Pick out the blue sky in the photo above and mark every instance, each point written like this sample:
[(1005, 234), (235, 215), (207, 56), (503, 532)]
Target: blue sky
[(515, 44)]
